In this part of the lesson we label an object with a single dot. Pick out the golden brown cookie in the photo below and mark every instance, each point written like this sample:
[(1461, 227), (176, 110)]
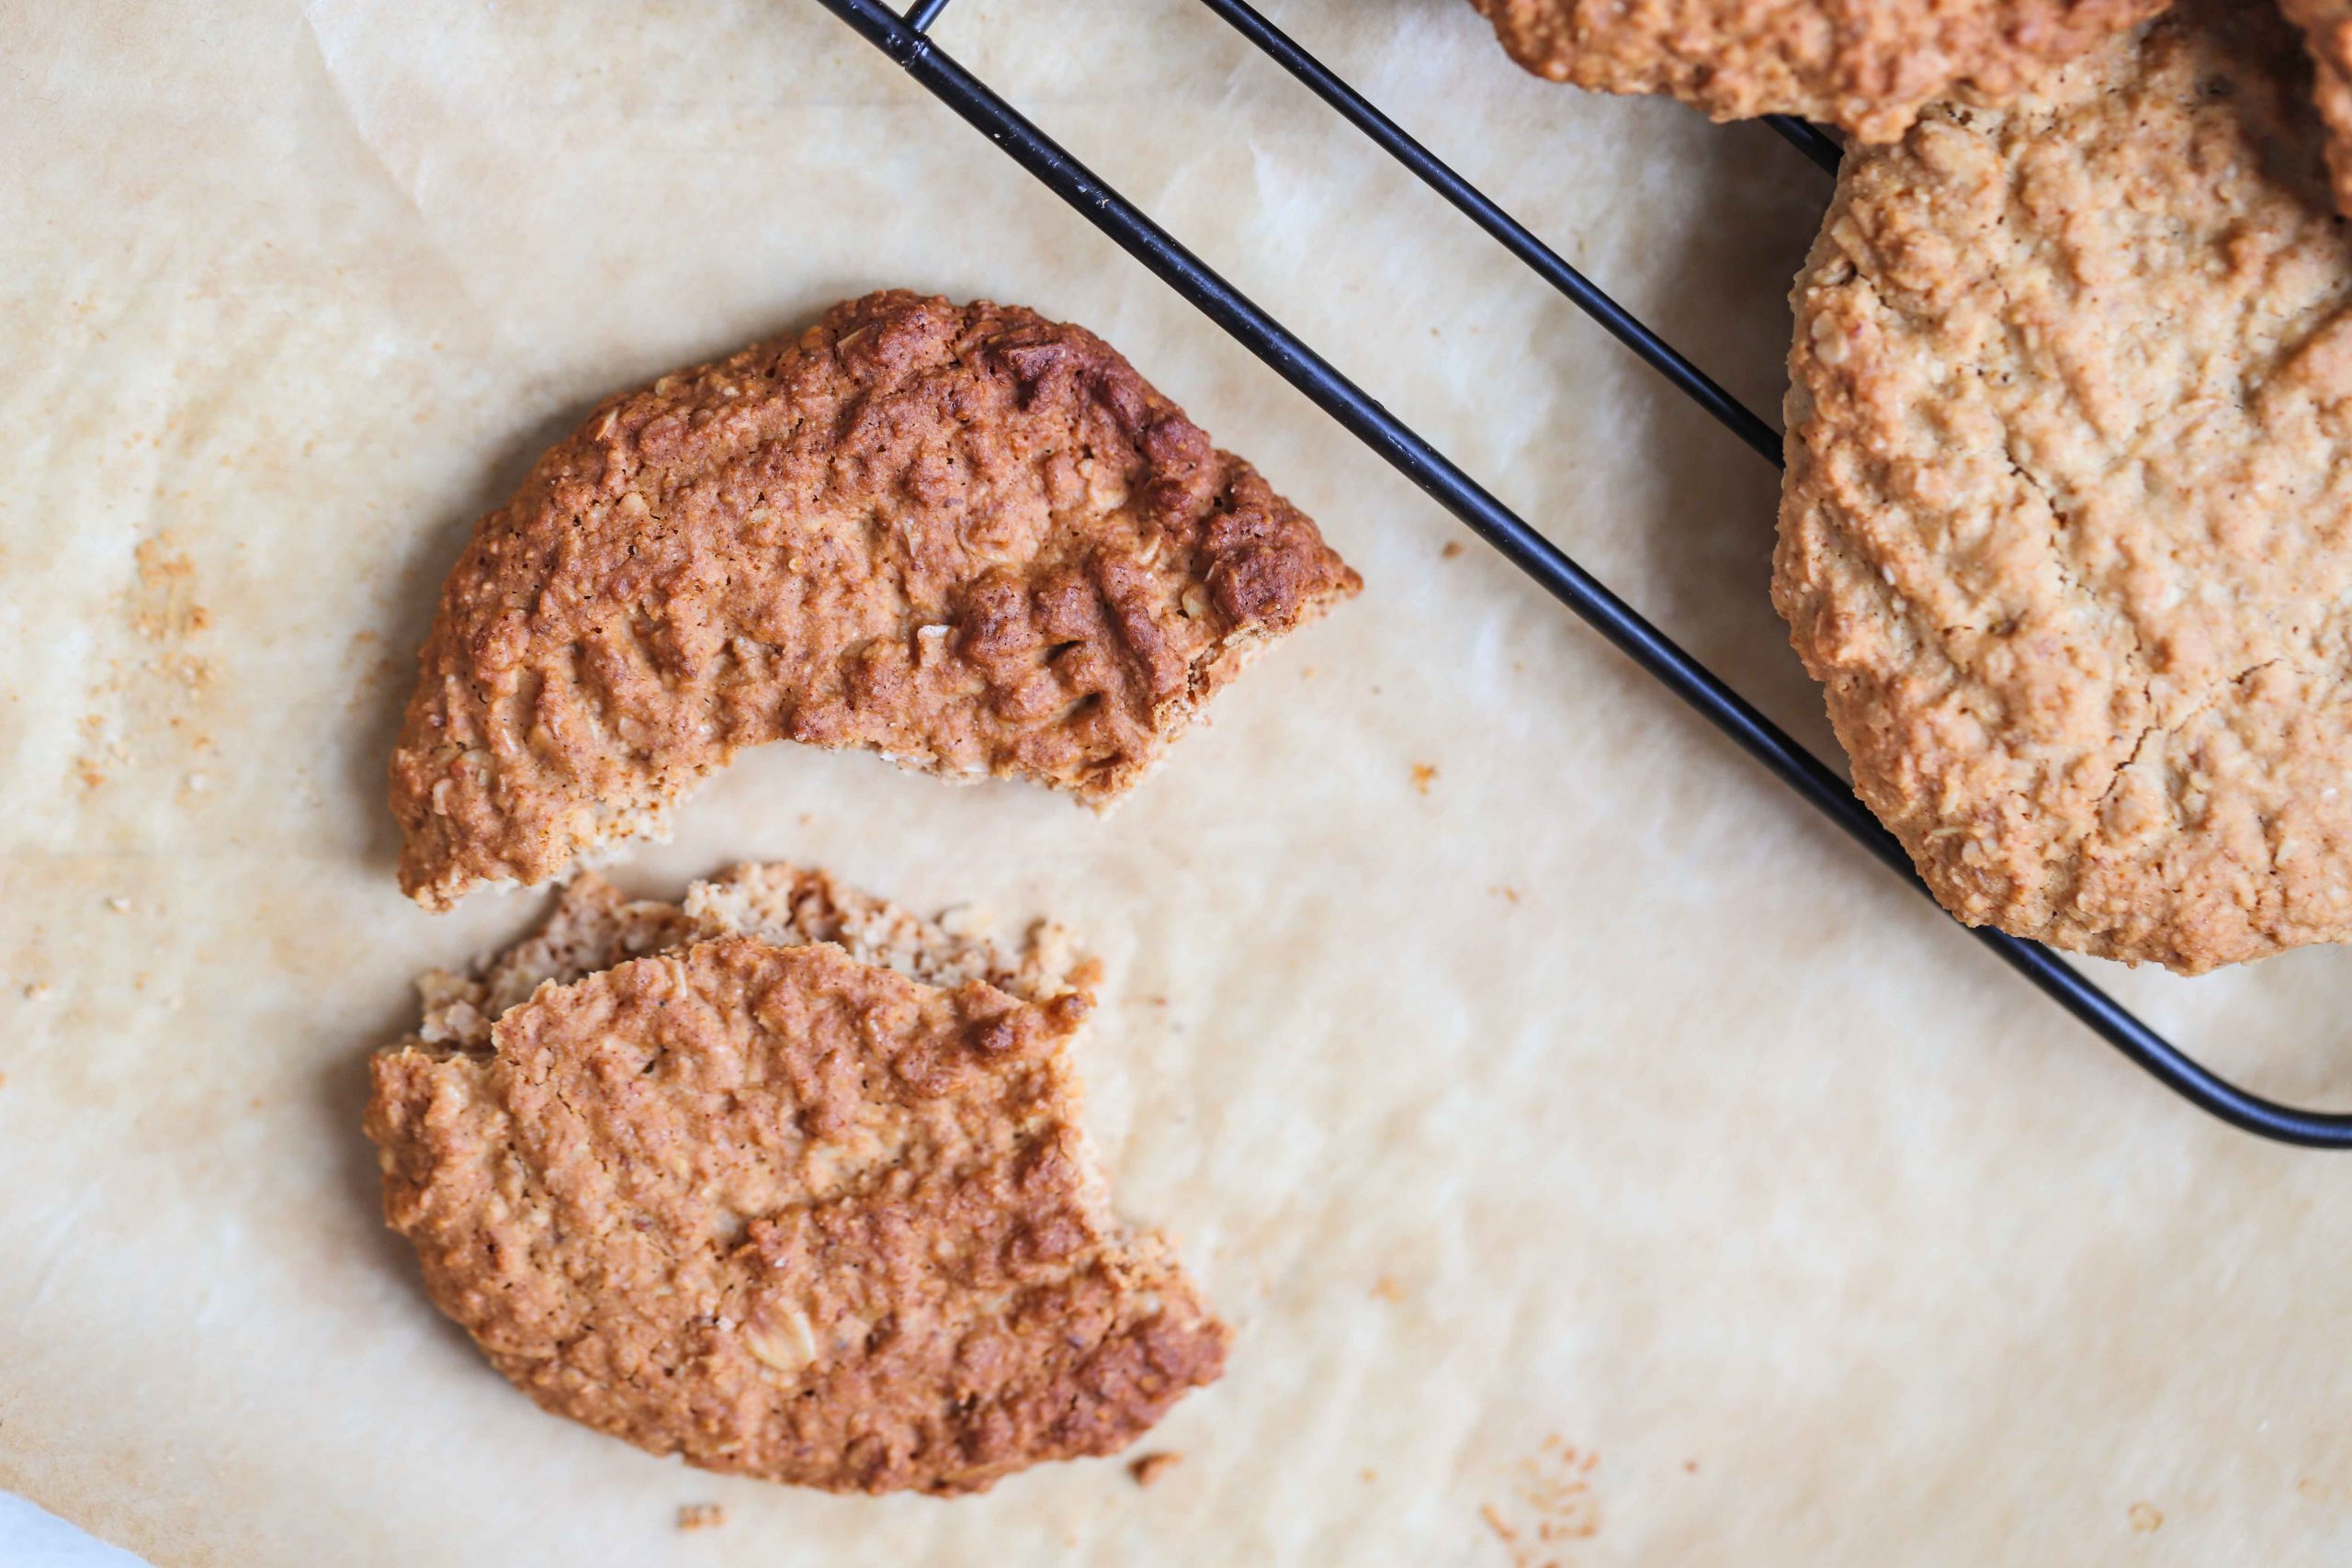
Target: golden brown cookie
[(964, 537), (2067, 525), (730, 1186), (1866, 65), (2327, 31)]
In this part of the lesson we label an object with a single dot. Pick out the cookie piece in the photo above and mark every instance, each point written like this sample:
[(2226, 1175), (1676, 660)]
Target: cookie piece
[(756, 1201), (1866, 65), (2068, 526), (964, 537), (595, 926), (2327, 31)]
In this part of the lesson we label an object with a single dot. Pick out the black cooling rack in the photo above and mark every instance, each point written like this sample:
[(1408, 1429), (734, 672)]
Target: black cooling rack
[(904, 39)]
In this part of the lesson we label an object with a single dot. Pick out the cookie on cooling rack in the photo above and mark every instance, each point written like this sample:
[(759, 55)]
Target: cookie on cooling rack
[(787, 1182), (2327, 29), (2068, 526), (1863, 66), (966, 536)]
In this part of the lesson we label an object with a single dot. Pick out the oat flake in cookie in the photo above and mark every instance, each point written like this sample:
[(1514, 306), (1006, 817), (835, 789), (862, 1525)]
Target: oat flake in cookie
[(2068, 526), (1866, 65), (787, 1182), (966, 536)]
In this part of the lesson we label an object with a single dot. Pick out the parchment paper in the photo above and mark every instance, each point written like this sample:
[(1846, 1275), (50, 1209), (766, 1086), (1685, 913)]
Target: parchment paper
[(1601, 1161)]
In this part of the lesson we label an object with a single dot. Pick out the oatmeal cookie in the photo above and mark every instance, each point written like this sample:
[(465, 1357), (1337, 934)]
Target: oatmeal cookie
[(1866, 65), (2066, 532), (966, 536), (2327, 29), (788, 1184)]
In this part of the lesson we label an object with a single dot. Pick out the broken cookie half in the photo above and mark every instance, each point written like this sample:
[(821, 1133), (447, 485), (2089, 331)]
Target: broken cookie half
[(964, 537), (787, 1182)]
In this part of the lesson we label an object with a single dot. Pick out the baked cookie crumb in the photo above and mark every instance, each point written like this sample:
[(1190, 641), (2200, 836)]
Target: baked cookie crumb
[(1149, 1467)]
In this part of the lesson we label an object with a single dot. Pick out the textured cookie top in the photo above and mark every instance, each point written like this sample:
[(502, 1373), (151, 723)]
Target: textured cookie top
[(2067, 525), (967, 538), (2327, 28), (784, 1212), (1867, 65)]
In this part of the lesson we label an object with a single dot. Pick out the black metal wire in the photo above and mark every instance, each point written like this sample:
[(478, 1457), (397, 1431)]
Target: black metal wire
[(1614, 319), (922, 13), (1803, 135), (1547, 564)]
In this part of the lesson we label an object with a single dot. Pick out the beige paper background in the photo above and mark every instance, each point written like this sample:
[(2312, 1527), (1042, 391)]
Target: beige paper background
[(1597, 1098)]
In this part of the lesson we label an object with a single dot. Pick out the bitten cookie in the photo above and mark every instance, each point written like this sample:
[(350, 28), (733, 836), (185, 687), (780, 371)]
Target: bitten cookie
[(2068, 526), (2327, 29), (1866, 65), (964, 537), (787, 1182)]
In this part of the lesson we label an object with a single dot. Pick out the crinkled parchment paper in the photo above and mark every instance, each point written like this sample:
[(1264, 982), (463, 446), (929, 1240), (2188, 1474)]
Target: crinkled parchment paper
[(1601, 1161)]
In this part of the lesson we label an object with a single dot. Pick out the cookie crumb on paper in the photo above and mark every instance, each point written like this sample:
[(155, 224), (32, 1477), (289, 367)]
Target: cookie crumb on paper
[(1149, 1467), (1555, 1504)]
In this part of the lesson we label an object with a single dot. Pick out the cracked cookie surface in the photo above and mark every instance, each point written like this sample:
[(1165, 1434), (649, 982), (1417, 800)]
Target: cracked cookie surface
[(738, 1181), (2066, 532), (1867, 66), (964, 537)]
